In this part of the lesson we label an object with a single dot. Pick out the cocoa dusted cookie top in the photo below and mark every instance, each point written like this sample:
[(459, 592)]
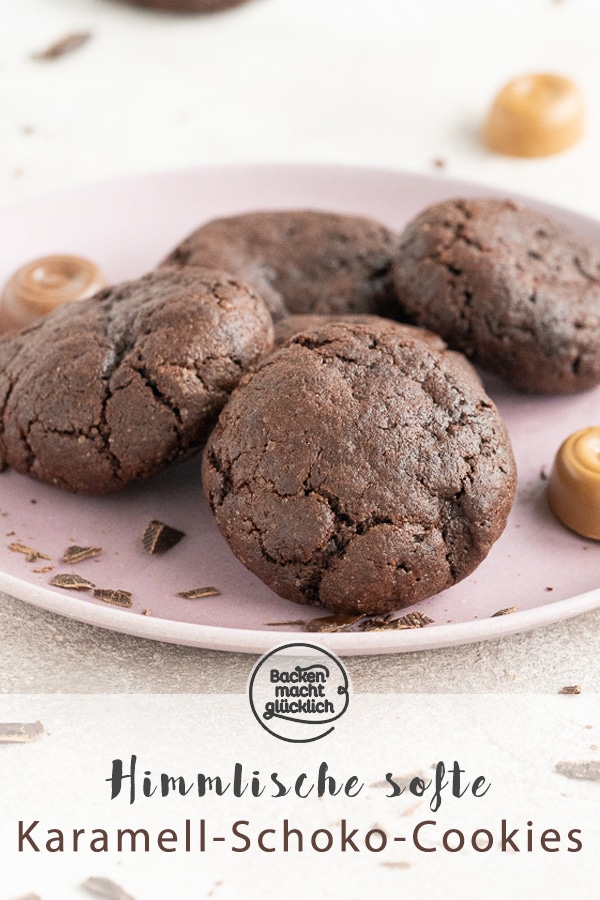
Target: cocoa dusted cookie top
[(188, 6), (292, 325), (360, 470), (516, 291), (110, 390), (301, 261)]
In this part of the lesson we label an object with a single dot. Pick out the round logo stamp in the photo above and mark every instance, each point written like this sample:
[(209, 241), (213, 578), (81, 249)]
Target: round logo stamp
[(297, 691)]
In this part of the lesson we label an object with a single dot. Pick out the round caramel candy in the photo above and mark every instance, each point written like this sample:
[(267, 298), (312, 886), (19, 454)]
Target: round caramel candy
[(43, 284), (574, 485), (535, 115)]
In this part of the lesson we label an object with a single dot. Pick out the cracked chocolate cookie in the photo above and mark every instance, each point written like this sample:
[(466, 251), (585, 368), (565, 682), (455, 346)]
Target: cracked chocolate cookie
[(360, 470), (110, 390), (301, 261), (289, 327), (516, 291)]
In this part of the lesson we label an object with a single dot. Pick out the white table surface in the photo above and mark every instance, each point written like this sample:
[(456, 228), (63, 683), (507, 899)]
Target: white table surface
[(382, 82)]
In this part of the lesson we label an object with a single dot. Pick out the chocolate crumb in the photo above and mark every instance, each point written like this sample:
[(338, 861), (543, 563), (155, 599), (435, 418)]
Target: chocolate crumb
[(549, 589), (62, 46), (570, 689), (291, 622), (30, 554), (72, 582), (20, 732), (116, 597), (44, 569), (147, 612), (586, 770), (198, 593), (104, 887), (544, 473), (10, 533), (77, 554), (439, 162), (158, 537), (332, 623), (509, 610)]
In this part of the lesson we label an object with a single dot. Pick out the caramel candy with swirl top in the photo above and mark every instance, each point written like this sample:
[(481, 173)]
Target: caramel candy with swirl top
[(535, 115), (574, 485), (40, 286)]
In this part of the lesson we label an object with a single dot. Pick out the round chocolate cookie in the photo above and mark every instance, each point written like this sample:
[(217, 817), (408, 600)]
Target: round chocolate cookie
[(301, 261), (289, 327), (359, 470), (110, 390), (188, 6), (516, 291)]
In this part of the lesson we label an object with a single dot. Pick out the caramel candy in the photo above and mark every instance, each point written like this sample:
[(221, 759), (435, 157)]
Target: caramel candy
[(574, 485), (43, 284), (535, 115)]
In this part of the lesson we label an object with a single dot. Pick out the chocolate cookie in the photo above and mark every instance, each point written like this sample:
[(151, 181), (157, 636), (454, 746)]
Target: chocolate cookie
[(289, 327), (359, 470), (110, 390), (188, 6), (301, 261), (516, 291)]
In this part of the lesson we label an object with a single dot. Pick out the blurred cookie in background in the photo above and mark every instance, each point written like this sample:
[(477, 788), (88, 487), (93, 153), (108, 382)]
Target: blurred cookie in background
[(187, 6)]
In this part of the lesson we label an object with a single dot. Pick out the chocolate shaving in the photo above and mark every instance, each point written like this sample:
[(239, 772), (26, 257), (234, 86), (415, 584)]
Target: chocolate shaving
[(332, 623), (378, 624), (570, 689), (505, 612), (77, 554), (158, 537), (116, 597), (20, 732), (414, 620), (291, 622), (62, 46), (385, 623), (30, 554), (365, 623), (72, 582), (199, 593), (586, 770), (104, 887)]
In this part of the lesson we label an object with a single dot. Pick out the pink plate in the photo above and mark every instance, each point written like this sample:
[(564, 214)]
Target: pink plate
[(127, 226)]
